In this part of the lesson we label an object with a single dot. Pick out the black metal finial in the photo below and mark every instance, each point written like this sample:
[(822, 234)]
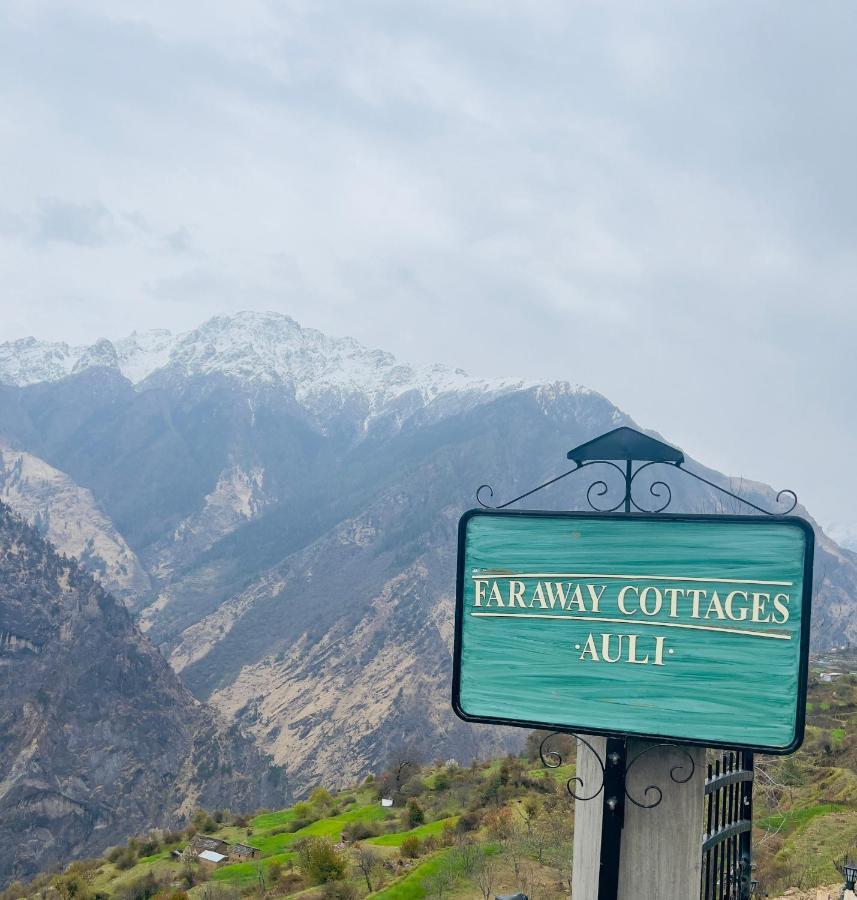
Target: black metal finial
[(626, 444)]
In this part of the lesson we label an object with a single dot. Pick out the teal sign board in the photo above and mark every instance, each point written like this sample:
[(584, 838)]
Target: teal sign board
[(692, 629)]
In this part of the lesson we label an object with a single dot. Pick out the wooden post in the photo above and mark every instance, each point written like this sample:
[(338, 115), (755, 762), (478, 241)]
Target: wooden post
[(661, 851)]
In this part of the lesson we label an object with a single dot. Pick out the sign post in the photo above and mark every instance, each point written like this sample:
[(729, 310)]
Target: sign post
[(658, 634)]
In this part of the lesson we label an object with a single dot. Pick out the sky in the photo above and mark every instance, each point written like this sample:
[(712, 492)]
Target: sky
[(655, 200)]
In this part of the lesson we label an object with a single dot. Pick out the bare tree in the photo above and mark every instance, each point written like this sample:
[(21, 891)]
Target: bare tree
[(368, 862), (528, 810), (439, 884), (485, 874)]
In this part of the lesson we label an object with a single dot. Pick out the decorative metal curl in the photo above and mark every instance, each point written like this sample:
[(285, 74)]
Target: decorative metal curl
[(674, 777), (653, 488), (490, 490), (551, 759), (659, 490)]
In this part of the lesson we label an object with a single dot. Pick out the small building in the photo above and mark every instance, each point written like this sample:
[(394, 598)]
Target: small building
[(200, 842), (242, 851), (387, 801), (209, 857), (827, 677)]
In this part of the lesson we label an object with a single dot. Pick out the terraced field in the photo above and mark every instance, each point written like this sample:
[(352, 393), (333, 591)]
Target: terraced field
[(511, 817)]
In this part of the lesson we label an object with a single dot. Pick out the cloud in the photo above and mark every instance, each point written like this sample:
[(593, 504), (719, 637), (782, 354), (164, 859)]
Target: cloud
[(656, 200), (84, 226)]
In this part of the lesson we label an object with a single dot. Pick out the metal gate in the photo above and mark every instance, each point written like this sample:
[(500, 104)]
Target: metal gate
[(726, 853)]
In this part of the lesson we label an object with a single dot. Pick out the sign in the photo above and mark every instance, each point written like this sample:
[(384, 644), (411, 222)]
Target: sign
[(692, 629)]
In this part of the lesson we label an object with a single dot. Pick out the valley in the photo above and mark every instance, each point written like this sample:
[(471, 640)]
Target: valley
[(454, 830)]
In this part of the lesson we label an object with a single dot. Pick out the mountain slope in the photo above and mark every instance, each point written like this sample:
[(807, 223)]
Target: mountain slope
[(98, 737), (69, 517), (293, 499)]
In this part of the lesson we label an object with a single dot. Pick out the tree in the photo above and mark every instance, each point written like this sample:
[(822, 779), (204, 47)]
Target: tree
[(414, 814), (320, 797), (499, 825), (559, 749), (320, 862), (484, 874), (402, 764), (368, 862), (275, 871), (528, 810), (439, 884)]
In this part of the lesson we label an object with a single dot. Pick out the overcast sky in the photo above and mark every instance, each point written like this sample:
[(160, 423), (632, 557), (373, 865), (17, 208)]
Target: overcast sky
[(657, 200)]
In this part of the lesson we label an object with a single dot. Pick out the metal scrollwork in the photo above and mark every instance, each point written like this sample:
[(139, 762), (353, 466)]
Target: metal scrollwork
[(674, 776), (656, 489), (483, 487), (659, 490), (601, 488), (551, 759)]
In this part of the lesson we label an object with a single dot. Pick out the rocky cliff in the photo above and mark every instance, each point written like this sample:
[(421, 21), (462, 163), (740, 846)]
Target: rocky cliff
[(98, 737)]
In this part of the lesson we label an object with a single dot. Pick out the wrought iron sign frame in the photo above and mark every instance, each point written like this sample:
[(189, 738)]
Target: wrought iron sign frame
[(639, 453)]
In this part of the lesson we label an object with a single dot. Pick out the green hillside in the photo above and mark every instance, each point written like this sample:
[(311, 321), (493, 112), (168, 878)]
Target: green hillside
[(470, 832)]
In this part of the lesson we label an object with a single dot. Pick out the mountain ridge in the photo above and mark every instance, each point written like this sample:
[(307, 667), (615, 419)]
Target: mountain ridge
[(300, 546), (263, 348)]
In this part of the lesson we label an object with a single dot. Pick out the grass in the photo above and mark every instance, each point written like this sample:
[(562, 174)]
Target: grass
[(824, 839), (272, 819), (330, 827), (796, 819), (430, 829), (164, 854), (837, 736), (410, 886), (249, 871), (559, 774)]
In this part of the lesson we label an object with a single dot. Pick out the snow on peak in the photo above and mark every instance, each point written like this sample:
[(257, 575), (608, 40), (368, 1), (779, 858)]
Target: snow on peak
[(261, 348)]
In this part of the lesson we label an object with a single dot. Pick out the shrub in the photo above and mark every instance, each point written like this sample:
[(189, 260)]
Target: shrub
[(320, 862), (140, 888), (113, 854), (441, 781), (358, 831), (275, 870), (470, 821), (202, 821), (294, 825), (339, 890), (320, 797), (414, 814), (410, 847), (126, 859), (150, 845)]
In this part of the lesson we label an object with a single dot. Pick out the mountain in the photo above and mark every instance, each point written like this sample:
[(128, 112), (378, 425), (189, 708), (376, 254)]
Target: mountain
[(293, 500), (98, 737), (69, 517)]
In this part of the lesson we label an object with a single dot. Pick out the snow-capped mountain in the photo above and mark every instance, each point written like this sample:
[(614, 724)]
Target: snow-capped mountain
[(293, 500), (261, 349)]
